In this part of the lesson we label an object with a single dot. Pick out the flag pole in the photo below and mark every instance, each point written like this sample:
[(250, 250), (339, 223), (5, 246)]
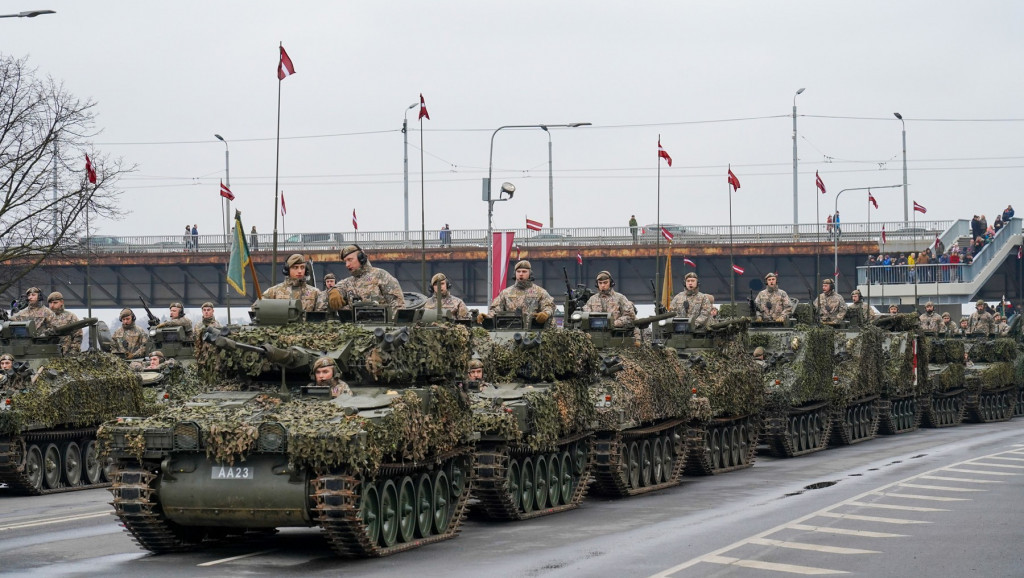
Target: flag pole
[(277, 165), (817, 229), (867, 277), (88, 260), (732, 264), (915, 260), (657, 237), (423, 217)]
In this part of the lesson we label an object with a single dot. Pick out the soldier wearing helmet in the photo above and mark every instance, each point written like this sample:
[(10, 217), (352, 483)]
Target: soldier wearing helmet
[(947, 326), (326, 374), (366, 283), (294, 286), (860, 309), (829, 305), (69, 344), (178, 318), (475, 371), (930, 320), (525, 297), (129, 340), (35, 310), (8, 377), (981, 320), (692, 303), (772, 303), (329, 282), (208, 320), (449, 302), (620, 310)]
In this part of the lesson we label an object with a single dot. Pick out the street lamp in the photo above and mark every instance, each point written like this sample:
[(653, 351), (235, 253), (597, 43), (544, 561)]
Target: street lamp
[(227, 216), (489, 198), (796, 216), (28, 14), (405, 135), (551, 177), (906, 216), (837, 232)]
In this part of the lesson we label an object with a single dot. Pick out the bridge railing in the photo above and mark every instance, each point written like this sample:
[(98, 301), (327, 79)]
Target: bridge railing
[(569, 236)]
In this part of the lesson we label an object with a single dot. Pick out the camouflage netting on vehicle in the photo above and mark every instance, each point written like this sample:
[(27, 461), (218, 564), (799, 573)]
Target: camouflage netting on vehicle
[(800, 365), (944, 350), (991, 350), (433, 354), (804, 314), (319, 433), (860, 365), (988, 376), (179, 382), (76, 391), (651, 386), (898, 369), (728, 377)]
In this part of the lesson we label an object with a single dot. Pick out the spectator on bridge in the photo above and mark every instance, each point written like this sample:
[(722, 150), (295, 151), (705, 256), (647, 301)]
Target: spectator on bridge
[(829, 227), (254, 240), (944, 267), (954, 265), (997, 225), (871, 263), (924, 270), (446, 236), (911, 263), (835, 223), (195, 237), (633, 227), (982, 224), (188, 238), (1007, 214)]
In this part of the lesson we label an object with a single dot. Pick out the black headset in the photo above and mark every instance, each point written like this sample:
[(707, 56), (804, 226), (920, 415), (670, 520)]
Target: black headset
[(361, 257), (120, 317), (611, 284), (286, 270)]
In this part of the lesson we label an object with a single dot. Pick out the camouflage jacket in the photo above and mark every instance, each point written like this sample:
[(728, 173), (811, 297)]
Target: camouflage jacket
[(338, 387), (131, 342), (42, 315), (449, 303), (831, 307), (981, 323), (860, 311), (197, 330), (930, 321), (773, 305), (1001, 328), (532, 299), (372, 284), (69, 344), (695, 305), (181, 321), (294, 289), (619, 309), (950, 328)]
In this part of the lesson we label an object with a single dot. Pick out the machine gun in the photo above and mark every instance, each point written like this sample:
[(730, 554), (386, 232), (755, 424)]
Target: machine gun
[(71, 327), (753, 304), (153, 319), (659, 308), (575, 298), (644, 322)]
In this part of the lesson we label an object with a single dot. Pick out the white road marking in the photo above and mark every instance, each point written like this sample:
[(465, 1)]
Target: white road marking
[(941, 488), (982, 472), (233, 558), (918, 497), (812, 547), (871, 518), (1009, 466), (845, 532), (788, 568), (966, 480), (1002, 458), (896, 507), (55, 520)]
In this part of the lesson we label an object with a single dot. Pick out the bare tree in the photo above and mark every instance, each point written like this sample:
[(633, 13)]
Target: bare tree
[(45, 133)]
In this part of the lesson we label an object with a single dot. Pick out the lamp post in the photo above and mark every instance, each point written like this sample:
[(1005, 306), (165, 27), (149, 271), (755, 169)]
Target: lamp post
[(906, 216), (551, 177), (227, 218), (405, 135), (28, 14), (836, 237), (796, 215), (489, 198)]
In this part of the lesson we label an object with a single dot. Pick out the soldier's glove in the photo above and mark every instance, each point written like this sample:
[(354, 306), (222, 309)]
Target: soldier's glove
[(480, 318), (541, 317), (335, 299)]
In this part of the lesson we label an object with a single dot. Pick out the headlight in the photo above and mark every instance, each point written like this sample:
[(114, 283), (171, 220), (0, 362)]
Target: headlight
[(186, 435), (272, 437)]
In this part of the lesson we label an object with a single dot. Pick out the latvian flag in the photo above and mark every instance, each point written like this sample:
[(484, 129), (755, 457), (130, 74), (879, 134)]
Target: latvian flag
[(579, 258), (226, 192), (667, 234), (534, 225), (739, 270), (689, 262), (919, 208)]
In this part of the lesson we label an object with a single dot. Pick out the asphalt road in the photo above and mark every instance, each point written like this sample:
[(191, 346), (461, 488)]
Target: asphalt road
[(934, 502)]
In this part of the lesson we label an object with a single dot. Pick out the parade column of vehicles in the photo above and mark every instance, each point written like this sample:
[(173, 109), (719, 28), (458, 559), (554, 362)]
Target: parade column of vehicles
[(398, 459)]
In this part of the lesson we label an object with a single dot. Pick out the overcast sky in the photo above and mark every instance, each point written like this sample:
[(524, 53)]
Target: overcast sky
[(715, 79)]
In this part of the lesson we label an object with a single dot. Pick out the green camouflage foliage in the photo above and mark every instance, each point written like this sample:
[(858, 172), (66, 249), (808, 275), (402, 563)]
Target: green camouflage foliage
[(728, 377), (651, 386), (860, 365), (562, 354), (800, 375), (898, 369), (945, 350), (991, 350)]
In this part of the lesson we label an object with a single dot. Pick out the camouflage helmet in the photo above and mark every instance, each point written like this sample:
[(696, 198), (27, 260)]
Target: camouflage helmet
[(157, 353), (604, 276), (476, 364), (348, 251), (296, 259), (437, 278), (207, 304), (856, 292), (126, 312), (829, 281), (690, 275), (323, 362), (769, 275), (524, 264), (981, 302), (181, 308), (32, 290), (946, 315), (7, 357), (55, 296), (329, 276), (929, 304), (758, 351)]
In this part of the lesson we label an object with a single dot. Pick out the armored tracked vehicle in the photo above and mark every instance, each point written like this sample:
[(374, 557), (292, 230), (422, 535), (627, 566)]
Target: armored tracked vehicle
[(945, 403), (51, 407), (906, 384), (989, 378), (381, 467)]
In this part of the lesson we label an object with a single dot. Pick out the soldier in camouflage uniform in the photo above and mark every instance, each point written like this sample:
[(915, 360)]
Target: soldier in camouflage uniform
[(35, 310), (367, 283), (69, 344), (178, 318), (449, 302), (859, 309), (208, 321), (475, 371), (321, 301), (158, 362), (295, 287), (930, 320), (10, 379), (999, 325), (692, 303), (620, 310), (946, 326), (326, 374), (772, 303), (981, 319), (526, 297), (129, 340), (829, 305)]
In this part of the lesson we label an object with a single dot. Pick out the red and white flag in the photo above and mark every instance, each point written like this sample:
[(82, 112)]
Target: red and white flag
[(871, 199), (284, 209), (89, 171), (733, 181), (689, 262), (579, 258), (739, 270), (423, 109), (667, 234), (355, 221), (883, 234), (226, 192), (663, 153), (517, 251), (501, 249), (533, 225), (937, 241), (919, 208), (1020, 251), (819, 183), (285, 67)]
